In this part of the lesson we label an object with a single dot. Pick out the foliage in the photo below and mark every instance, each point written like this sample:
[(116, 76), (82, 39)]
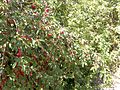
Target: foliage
[(58, 44)]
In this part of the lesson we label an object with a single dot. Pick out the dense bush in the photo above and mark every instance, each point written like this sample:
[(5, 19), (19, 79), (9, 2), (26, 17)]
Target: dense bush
[(58, 44)]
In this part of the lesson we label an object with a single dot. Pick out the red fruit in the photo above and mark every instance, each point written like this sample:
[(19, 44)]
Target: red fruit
[(29, 38), (62, 32), (17, 30), (7, 1), (36, 14), (33, 6), (47, 10), (45, 15), (26, 37), (49, 35), (1, 87), (19, 53), (59, 37), (31, 74), (23, 37)]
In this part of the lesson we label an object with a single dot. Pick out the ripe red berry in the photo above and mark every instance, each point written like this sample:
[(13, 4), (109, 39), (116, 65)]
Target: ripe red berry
[(47, 10), (35, 14), (49, 35), (26, 37), (31, 74), (62, 32), (29, 38), (17, 30), (23, 36), (33, 6), (19, 53), (7, 1), (1, 86), (58, 37)]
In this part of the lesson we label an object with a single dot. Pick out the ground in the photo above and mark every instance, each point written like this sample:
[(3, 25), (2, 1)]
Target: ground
[(116, 81)]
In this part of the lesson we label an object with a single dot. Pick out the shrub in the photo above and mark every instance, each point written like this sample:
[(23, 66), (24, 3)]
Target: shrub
[(57, 45)]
